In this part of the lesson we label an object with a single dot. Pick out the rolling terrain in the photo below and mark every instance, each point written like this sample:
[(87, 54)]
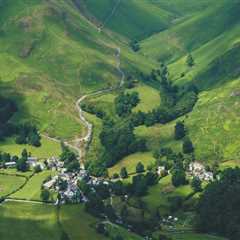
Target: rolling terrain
[(58, 55), (50, 56)]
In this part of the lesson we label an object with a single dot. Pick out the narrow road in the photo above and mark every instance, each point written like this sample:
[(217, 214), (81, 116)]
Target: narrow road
[(80, 144)]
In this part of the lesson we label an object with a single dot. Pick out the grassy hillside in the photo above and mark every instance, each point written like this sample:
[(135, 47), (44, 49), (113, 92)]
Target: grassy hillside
[(212, 36), (48, 148), (138, 19), (193, 32), (184, 8), (51, 55)]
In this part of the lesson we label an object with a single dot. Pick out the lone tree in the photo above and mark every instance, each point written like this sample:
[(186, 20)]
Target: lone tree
[(139, 168), (190, 60), (187, 146), (123, 172), (180, 130), (22, 164), (45, 195)]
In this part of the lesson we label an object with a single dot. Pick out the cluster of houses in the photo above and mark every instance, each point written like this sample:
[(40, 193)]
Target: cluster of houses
[(196, 169), (70, 192)]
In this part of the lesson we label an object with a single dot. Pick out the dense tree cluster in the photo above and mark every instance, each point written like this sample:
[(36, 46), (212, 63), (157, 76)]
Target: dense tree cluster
[(175, 102), (5, 157), (166, 113), (124, 103), (28, 134), (7, 109), (139, 185), (119, 141), (70, 159), (218, 210), (97, 168), (21, 162)]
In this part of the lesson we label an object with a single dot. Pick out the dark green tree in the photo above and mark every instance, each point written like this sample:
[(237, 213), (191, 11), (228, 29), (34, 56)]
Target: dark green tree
[(22, 164), (180, 130), (140, 168), (45, 195), (178, 178), (34, 139), (190, 60), (139, 185), (64, 236), (196, 184), (187, 146), (123, 172), (151, 178)]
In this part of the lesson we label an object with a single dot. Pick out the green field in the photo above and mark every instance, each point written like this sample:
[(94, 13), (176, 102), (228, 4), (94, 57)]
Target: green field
[(32, 190), (95, 147), (48, 148), (39, 221), (13, 171), (193, 236), (131, 161), (28, 221), (149, 98), (10, 183), (78, 224)]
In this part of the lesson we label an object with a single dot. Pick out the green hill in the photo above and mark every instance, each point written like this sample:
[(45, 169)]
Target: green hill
[(51, 55), (193, 32), (138, 19)]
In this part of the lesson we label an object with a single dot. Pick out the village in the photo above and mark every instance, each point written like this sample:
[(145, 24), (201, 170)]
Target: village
[(65, 183)]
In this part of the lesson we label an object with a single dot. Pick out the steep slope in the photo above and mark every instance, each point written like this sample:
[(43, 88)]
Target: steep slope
[(193, 32), (213, 38), (132, 19), (52, 55)]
